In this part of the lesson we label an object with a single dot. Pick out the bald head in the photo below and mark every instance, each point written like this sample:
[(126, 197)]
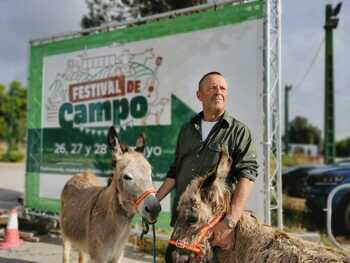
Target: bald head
[(212, 93), (202, 80)]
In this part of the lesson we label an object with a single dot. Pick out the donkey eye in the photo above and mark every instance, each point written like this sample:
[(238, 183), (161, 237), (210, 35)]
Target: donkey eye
[(192, 219), (127, 177)]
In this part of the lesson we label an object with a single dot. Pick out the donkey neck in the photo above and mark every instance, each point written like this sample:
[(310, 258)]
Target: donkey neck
[(114, 204)]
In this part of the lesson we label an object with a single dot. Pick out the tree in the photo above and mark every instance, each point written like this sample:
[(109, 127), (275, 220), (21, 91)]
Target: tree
[(301, 131), (13, 114), (105, 11), (342, 148)]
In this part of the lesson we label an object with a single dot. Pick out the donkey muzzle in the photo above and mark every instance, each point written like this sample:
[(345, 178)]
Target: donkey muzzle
[(151, 208)]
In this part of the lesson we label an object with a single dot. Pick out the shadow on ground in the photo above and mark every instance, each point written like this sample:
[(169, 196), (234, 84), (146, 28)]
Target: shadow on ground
[(14, 260)]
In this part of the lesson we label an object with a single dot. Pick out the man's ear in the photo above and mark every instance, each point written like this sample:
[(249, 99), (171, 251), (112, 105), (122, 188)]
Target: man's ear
[(113, 141), (198, 93), (140, 143)]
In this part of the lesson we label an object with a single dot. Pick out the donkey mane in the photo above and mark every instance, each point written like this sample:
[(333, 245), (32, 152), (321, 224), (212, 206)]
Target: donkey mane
[(217, 196), (215, 192)]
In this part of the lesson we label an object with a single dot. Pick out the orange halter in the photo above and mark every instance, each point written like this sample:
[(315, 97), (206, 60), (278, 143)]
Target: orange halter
[(196, 247), (142, 197)]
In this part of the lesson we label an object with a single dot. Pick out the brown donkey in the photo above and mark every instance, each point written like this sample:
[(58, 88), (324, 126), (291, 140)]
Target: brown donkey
[(204, 203), (96, 219)]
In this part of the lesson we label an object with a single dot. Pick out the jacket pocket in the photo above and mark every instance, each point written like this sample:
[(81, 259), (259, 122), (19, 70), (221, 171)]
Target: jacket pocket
[(212, 156)]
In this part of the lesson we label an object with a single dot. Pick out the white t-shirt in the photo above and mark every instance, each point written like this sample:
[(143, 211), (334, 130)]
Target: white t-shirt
[(206, 128)]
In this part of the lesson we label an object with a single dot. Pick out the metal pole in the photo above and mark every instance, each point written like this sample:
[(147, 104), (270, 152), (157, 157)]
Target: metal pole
[(267, 119), (286, 118), (136, 21), (329, 130), (279, 110)]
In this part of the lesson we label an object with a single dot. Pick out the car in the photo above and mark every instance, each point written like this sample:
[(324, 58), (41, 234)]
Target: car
[(343, 162), (294, 180), (320, 182)]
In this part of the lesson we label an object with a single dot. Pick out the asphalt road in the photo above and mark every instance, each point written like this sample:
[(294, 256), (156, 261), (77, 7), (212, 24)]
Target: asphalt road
[(48, 249)]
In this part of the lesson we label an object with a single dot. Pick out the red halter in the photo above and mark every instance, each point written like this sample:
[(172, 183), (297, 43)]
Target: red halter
[(142, 197), (196, 247)]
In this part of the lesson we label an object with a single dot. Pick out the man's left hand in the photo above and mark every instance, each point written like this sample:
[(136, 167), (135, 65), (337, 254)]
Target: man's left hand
[(223, 236)]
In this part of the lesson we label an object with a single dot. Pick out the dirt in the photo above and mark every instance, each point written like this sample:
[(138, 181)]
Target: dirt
[(50, 250)]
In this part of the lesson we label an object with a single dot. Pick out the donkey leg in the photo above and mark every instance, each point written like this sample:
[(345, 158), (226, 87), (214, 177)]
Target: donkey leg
[(67, 245), (83, 258), (120, 258), (98, 260)]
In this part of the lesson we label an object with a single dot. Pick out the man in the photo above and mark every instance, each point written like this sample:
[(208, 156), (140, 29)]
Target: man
[(199, 144)]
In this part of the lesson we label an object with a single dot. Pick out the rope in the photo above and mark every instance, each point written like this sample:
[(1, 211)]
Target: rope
[(145, 230), (154, 247)]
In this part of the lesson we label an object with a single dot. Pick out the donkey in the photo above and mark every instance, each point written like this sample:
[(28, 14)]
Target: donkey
[(96, 219), (203, 204)]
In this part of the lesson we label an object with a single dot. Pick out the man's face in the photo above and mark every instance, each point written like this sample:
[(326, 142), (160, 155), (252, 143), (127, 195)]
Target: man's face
[(213, 93)]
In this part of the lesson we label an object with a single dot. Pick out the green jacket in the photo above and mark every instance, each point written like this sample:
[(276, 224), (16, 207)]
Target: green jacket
[(194, 157)]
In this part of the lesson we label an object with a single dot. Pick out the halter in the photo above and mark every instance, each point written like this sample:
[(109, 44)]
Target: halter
[(196, 246), (142, 197)]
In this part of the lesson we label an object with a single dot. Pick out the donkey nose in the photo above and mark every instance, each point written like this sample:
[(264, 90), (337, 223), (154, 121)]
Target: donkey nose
[(179, 258), (153, 209)]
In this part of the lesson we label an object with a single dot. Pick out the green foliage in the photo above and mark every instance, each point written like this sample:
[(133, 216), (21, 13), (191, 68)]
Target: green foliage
[(301, 131), (343, 148), (288, 160), (14, 156), (13, 106), (105, 11)]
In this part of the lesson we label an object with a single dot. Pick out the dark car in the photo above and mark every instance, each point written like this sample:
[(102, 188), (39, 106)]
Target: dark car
[(320, 183), (294, 180)]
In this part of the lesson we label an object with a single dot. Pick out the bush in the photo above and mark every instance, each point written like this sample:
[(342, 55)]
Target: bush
[(14, 156), (288, 160)]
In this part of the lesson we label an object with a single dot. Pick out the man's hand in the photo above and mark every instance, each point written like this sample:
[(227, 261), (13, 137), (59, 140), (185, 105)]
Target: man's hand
[(165, 188), (223, 236)]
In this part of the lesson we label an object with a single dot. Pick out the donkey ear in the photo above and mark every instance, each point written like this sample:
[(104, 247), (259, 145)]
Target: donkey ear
[(113, 140), (208, 182), (140, 143), (224, 165)]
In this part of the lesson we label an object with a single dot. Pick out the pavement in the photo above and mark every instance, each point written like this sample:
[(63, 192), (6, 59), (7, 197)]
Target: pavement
[(49, 249)]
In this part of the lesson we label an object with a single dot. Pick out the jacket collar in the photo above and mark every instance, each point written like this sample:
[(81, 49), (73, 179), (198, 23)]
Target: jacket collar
[(225, 119)]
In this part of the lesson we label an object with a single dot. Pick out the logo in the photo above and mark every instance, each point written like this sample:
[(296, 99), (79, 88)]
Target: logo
[(99, 89)]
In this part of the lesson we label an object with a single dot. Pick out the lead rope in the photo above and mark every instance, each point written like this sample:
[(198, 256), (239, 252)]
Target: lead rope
[(145, 230), (154, 243)]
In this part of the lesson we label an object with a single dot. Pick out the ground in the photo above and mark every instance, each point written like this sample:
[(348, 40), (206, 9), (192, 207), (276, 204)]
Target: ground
[(49, 249)]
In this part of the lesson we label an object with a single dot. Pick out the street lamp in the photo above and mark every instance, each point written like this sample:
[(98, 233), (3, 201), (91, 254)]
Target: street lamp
[(331, 23)]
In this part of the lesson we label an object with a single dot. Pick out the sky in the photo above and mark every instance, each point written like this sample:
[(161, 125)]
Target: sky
[(302, 37)]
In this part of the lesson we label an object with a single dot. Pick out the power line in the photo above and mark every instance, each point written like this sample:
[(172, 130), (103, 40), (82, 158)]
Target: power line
[(313, 61)]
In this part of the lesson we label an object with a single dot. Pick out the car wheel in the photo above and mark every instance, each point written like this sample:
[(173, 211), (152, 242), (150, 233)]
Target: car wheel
[(346, 218), (341, 216)]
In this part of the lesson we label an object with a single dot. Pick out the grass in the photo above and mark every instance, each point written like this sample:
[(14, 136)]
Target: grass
[(297, 220), (146, 246), (162, 225)]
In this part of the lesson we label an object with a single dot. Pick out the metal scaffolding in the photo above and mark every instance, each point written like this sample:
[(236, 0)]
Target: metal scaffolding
[(272, 111)]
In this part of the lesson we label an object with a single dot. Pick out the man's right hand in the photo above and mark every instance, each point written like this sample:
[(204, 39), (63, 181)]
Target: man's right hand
[(165, 188)]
